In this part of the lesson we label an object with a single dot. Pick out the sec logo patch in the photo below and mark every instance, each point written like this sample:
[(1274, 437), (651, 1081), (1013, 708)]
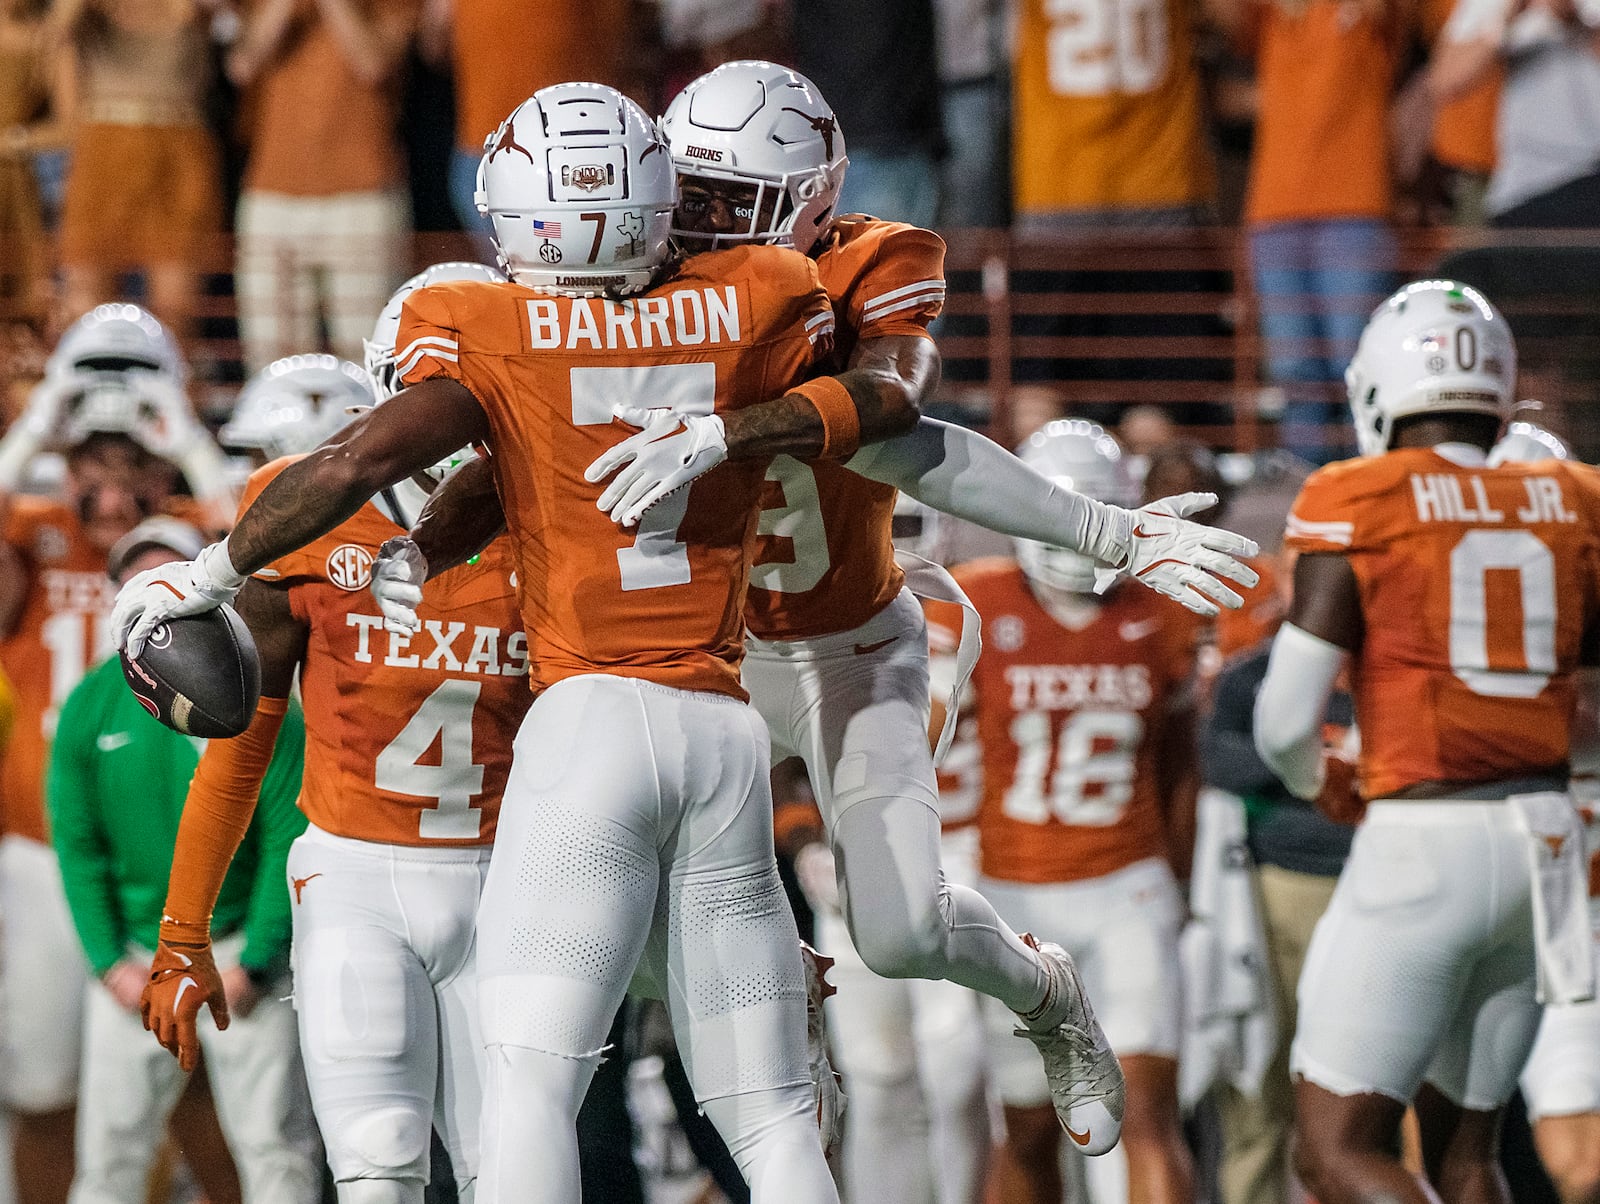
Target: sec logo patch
[(350, 567)]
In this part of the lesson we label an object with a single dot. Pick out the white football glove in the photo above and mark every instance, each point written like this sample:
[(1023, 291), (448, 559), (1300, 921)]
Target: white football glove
[(670, 452), (1183, 560), (173, 591), (397, 577)]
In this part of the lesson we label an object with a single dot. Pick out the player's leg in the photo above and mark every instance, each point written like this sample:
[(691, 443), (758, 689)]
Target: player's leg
[(1129, 961), (1561, 1084), (736, 985), (458, 1099), (130, 1086), (887, 1154), (1388, 967), (566, 909), (363, 256), (862, 729), (367, 1023), (42, 992), (947, 1029)]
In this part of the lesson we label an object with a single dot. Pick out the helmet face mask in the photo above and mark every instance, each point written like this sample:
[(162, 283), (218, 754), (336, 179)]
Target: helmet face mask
[(580, 190), (763, 125), (1434, 347), (1082, 457)]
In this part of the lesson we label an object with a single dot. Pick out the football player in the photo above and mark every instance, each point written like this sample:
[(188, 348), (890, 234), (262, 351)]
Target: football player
[(407, 753), (1083, 706), (112, 403), (636, 809), (1463, 598), (837, 652)]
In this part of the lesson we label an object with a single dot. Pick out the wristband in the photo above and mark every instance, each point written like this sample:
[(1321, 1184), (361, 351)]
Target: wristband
[(841, 422)]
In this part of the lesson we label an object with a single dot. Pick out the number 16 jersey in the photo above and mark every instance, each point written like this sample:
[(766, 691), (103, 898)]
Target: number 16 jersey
[(1477, 587)]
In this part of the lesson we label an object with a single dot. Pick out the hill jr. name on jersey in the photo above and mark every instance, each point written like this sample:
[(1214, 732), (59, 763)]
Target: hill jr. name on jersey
[(1439, 497), (455, 648)]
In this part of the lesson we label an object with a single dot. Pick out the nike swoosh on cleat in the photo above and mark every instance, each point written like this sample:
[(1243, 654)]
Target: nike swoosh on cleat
[(1080, 1139), (866, 649)]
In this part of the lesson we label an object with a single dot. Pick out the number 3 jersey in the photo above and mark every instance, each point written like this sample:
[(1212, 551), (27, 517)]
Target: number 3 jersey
[(1070, 726), (408, 737), (663, 602), (1478, 586)]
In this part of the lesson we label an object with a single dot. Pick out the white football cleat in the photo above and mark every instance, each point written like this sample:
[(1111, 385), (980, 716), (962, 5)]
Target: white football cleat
[(1085, 1078), (827, 1087)]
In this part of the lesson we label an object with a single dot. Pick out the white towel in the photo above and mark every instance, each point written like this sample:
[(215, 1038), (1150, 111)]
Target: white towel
[(933, 581), (1559, 866), (1230, 1021)]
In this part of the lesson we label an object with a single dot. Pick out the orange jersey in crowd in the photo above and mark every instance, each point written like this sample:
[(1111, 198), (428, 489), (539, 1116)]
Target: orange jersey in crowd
[(1107, 106), (825, 562), (64, 627), (1477, 586), (663, 602), (1070, 725), (408, 737)]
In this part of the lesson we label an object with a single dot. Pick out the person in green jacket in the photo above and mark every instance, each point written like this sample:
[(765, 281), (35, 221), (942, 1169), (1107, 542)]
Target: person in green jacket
[(115, 789)]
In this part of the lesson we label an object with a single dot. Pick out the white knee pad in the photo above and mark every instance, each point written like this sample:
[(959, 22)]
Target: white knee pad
[(380, 1191), (387, 1138)]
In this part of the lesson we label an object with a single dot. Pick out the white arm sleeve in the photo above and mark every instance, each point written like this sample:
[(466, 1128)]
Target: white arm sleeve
[(1291, 704), (965, 474)]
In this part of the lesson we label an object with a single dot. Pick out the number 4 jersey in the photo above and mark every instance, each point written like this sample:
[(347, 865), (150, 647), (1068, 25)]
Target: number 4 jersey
[(408, 737), (1071, 726), (1477, 588)]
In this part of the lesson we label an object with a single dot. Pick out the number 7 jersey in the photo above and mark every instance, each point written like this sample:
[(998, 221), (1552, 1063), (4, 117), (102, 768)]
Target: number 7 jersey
[(1478, 587)]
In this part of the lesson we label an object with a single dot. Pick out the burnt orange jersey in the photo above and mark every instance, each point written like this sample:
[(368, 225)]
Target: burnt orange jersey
[(64, 627), (663, 602), (1477, 586), (1070, 723), (408, 737), (1107, 106), (825, 563)]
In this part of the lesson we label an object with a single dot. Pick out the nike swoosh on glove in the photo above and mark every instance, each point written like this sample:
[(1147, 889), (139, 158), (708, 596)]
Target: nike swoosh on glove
[(397, 577), (670, 452), (182, 977), (173, 591), (1184, 560)]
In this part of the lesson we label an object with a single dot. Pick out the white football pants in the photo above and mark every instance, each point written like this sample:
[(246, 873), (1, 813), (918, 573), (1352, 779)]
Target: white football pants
[(387, 996), (638, 815), (854, 707), (131, 1085)]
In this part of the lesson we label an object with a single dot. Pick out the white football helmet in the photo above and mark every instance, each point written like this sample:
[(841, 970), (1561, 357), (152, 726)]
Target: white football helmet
[(915, 528), (1435, 347), (579, 187), (114, 338), (1082, 457), (379, 351), (1524, 442), (109, 403), (754, 122), (293, 404)]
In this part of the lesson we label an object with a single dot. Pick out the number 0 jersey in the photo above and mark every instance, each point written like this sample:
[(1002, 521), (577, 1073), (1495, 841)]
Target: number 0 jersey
[(1477, 587), (1070, 725), (663, 602), (408, 737), (825, 563)]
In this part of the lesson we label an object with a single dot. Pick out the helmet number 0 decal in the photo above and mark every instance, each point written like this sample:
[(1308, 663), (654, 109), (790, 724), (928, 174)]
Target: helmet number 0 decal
[(1466, 342)]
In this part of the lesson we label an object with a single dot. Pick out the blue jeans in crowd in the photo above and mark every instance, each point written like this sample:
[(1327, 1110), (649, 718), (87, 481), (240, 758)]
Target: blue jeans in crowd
[(1317, 280)]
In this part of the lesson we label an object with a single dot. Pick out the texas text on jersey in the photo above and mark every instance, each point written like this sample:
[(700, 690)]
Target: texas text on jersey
[(1071, 783), (409, 736)]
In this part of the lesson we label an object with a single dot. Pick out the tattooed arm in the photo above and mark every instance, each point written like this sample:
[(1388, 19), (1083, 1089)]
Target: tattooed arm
[(415, 428), (887, 379)]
